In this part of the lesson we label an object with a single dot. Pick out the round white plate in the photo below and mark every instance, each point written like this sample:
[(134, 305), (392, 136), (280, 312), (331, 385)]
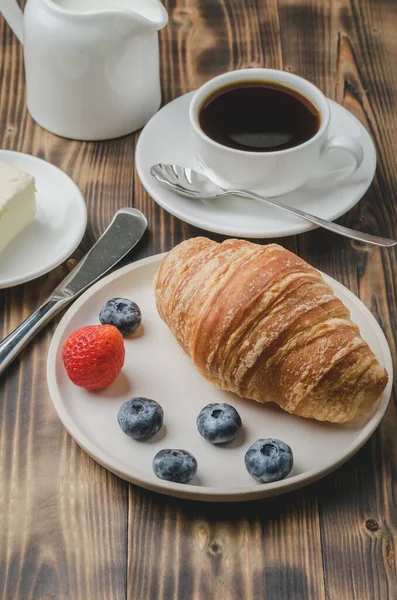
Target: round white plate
[(166, 139), (155, 367), (57, 230)]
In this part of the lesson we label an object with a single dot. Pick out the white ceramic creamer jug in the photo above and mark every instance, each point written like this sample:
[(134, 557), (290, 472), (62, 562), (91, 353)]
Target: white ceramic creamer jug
[(92, 66)]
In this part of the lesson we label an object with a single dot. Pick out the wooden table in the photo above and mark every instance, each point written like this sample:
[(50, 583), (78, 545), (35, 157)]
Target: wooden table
[(69, 528)]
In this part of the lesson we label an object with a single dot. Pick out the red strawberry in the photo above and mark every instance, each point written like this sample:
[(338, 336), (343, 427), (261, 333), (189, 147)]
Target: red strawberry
[(93, 356)]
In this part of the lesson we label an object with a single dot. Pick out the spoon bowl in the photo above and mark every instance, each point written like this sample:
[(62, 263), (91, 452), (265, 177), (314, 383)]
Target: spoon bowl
[(186, 182)]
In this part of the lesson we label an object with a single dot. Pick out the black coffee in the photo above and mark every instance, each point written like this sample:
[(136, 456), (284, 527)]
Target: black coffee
[(258, 116)]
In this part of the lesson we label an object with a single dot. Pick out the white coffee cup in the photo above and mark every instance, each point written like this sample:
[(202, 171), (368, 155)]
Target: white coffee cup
[(276, 172)]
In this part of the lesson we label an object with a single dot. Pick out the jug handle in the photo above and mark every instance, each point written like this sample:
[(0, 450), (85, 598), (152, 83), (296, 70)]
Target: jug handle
[(14, 16)]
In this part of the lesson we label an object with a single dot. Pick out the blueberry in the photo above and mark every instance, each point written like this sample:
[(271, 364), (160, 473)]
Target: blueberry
[(269, 460), (122, 313), (175, 465), (219, 423), (140, 418)]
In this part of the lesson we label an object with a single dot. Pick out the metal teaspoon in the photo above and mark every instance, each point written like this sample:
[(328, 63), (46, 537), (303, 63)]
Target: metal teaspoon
[(195, 185)]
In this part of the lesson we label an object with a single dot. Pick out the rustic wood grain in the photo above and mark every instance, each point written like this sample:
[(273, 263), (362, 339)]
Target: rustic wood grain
[(70, 529)]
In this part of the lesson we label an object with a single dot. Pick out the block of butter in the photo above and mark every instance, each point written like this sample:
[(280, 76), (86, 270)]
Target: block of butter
[(17, 202)]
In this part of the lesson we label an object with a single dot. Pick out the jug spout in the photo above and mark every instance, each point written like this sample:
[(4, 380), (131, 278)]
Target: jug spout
[(152, 13)]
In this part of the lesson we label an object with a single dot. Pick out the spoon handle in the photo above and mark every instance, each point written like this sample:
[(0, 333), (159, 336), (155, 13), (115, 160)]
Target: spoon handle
[(345, 231)]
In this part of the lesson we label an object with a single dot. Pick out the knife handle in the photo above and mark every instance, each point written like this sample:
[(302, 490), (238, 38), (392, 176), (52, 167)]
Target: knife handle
[(122, 235), (12, 345)]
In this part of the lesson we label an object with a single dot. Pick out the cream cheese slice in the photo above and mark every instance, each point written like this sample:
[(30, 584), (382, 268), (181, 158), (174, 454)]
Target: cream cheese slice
[(17, 202)]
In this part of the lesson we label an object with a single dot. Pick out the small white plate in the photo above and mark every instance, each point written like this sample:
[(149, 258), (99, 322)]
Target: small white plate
[(57, 230), (166, 139), (155, 367)]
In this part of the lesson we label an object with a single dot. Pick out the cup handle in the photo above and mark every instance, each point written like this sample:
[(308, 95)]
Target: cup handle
[(340, 142)]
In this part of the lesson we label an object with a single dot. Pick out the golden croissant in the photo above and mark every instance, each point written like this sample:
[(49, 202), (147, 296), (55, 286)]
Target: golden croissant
[(262, 323)]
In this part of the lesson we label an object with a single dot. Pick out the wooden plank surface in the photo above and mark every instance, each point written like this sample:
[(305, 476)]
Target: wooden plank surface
[(70, 529)]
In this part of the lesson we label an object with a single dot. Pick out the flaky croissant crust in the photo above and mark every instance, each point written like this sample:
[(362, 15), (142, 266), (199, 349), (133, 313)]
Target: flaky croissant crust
[(262, 323)]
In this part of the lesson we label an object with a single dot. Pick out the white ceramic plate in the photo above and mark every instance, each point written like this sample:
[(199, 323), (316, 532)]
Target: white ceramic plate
[(166, 138), (156, 367), (59, 225)]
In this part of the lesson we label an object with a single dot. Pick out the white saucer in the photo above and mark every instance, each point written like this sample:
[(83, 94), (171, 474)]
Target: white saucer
[(166, 138), (156, 367), (59, 225)]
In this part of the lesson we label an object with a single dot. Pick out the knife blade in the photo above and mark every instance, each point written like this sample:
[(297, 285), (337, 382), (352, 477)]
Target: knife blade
[(124, 232)]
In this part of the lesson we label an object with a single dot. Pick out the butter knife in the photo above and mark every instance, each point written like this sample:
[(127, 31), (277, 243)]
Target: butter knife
[(124, 232)]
